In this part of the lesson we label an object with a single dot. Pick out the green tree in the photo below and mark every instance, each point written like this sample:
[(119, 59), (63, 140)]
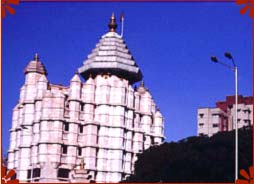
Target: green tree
[(195, 159)]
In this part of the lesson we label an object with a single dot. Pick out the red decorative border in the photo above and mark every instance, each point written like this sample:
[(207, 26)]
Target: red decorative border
[(249, 5)]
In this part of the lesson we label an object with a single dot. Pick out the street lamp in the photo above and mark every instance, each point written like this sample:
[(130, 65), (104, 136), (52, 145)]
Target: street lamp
[(234, 68)]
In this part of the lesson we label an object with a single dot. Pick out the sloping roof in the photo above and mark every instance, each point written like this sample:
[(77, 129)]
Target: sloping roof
[(111, 55), (35, 66)]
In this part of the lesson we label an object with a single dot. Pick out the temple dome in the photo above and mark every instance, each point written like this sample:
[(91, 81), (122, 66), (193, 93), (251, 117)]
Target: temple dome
[(35, 66), (111, 55)]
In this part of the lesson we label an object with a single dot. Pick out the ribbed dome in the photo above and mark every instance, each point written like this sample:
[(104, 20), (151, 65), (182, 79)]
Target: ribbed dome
[(111, 55), (35, 66)]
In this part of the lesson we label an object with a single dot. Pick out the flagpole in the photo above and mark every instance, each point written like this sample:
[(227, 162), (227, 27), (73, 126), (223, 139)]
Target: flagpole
[(122, 21)]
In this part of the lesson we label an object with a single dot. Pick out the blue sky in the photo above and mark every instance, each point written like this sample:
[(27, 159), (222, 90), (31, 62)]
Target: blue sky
[(171, 43)]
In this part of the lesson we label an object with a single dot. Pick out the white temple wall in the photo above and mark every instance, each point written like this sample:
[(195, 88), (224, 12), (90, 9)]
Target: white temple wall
[(45, 128), (146, 103), (72, 133), (15, 117), (30, 93), (130, 97), (26, 136), (75, 88), (74, 107), (32, 78), (24, 163), (88, 112), (34, 154), (128, 118), (90, 157), (13, 137), (158, 140), (20, 116), (88, 91), (16, 157), (146, 123), (104, 108), (18, 138), (71, 156), (46, 106), (22, 174), (42, 87), (22, 94), (147, 142), (136, 101), (91, 130), (127, 163), (137, 142), (101, 176), (128, 140), (114, 165), (37, 113), (11, 159), (28, 114)]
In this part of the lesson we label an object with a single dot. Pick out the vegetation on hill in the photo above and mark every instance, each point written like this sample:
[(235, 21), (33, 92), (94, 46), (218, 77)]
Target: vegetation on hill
[(195, 159)]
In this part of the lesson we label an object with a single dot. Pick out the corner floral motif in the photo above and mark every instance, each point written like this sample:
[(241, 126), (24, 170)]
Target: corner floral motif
[(6, 6), (7, 178), (249, 4), (249, 179)]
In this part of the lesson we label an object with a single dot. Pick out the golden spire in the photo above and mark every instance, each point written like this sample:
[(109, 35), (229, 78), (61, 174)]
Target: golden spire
[(36, 57), (112, 24)]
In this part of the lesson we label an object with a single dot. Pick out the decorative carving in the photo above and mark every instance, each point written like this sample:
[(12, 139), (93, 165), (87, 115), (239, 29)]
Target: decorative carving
[(82, 164)]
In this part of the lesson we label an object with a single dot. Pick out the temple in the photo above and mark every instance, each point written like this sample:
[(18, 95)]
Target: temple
[(87, 131)]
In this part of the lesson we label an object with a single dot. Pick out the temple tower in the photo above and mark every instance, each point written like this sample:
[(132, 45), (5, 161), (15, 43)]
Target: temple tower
[(103, 122)]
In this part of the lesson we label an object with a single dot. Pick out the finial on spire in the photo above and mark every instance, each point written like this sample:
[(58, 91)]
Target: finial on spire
[(36, 57), (142, 84), (112, 24)]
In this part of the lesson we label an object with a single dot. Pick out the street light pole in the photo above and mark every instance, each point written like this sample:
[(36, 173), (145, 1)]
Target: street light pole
[(236, 123), (229, 56), (215, 60)]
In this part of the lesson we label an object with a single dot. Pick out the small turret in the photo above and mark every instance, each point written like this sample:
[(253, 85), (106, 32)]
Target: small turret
[(75, 86), (158, 123), (141, 89), (76, 78), (33, 72), (36, 66)]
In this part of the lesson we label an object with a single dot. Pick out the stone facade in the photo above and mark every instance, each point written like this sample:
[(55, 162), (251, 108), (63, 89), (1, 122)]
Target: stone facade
[(221, 118), (104, 120)]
